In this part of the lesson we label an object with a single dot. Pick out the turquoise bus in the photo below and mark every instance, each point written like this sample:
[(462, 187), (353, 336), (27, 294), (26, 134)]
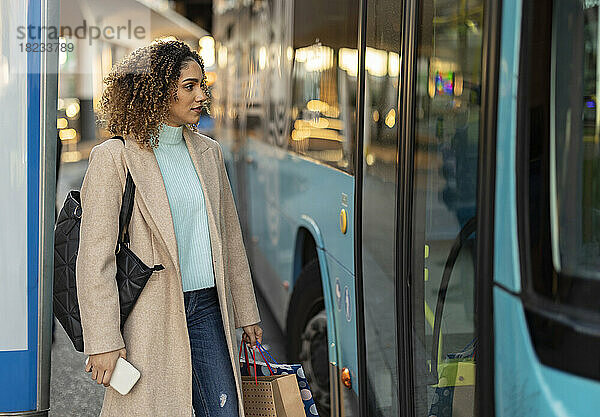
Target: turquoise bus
[(418, 184)]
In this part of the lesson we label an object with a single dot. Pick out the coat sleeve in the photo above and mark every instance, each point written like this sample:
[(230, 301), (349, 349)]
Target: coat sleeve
[(96, 267), (237, 270)]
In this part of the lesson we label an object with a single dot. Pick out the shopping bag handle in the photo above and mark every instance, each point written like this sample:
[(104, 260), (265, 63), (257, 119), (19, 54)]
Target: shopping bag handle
[(246, 355), (262, 349), (254, 361), (247, 362)]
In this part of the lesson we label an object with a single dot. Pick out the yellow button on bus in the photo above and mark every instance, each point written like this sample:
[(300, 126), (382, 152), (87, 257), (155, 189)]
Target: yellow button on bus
[(343, 221)]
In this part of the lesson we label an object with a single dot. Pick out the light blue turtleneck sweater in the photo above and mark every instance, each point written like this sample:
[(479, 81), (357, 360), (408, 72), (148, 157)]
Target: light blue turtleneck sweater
[(188, 209)]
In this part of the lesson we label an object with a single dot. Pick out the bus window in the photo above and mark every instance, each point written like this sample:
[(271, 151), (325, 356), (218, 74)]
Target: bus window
[(323, 114), (559, 182), (575, 147), (448, 83), (379, 193)]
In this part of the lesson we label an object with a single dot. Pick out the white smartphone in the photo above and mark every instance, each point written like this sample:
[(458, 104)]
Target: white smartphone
[(124, 376)]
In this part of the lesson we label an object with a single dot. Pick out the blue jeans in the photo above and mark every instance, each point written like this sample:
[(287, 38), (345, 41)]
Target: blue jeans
[(214, 392)]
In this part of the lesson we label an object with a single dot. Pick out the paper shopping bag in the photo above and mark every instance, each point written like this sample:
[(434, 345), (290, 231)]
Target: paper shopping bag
[(274, 368), (271, 396)]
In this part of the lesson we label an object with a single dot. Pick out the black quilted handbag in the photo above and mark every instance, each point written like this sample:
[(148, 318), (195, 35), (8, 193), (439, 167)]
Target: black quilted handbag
[(132, 273)]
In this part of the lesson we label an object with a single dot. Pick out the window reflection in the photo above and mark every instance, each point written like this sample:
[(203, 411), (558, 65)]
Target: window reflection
[(325, 63), (444, 204)]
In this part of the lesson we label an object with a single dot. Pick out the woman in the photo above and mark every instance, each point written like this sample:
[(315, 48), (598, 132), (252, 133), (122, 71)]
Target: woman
[(180, 334)]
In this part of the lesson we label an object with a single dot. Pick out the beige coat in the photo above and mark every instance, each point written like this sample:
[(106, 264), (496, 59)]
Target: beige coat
[(155, 334)]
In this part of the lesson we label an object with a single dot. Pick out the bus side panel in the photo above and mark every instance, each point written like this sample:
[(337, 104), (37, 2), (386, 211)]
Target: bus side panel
[(297, 186), (285, 193), (342, 287), (523, 385), (272, 233)]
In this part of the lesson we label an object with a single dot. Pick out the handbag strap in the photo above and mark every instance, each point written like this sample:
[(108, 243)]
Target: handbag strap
[(126, 207)]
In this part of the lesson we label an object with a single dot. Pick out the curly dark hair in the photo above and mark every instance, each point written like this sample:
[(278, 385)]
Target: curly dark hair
[(136, 98)]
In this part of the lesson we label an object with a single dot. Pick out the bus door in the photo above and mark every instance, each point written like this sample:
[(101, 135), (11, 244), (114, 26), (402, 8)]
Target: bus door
[(419, 211), (422, 193), (442, 198), (378, 184)]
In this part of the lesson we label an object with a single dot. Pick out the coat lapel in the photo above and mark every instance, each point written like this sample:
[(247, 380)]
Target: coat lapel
[(206, 166), (150, 186)]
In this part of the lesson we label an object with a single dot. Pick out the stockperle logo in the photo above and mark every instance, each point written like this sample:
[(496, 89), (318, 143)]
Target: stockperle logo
[(33, 33)]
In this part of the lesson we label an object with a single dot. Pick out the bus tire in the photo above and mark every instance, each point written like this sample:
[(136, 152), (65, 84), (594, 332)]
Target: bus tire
[(307, 334)]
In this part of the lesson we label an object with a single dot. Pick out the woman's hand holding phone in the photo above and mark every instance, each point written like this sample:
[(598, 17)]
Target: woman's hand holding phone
[(102, 365)]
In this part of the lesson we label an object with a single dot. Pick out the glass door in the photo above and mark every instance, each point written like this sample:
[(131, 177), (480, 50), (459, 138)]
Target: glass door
[(379, 185), (442, 255)]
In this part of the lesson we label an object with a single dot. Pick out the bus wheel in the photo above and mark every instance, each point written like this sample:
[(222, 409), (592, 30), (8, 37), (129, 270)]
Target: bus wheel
[(307, 334), (313, 355)]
